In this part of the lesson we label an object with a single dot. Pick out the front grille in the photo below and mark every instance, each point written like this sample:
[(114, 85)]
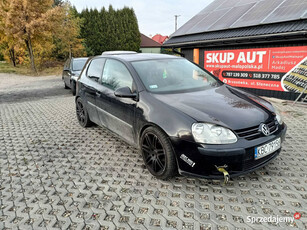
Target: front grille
[(254, 133)]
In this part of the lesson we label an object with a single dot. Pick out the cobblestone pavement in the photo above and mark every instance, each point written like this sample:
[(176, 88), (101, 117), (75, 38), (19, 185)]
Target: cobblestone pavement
[(55, 174)]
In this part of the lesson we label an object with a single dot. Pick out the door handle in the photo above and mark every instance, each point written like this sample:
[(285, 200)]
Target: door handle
[(98, 94)]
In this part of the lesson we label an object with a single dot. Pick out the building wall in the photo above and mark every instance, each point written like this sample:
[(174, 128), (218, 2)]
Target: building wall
[(151, 50), (269, 93), (188, 54)]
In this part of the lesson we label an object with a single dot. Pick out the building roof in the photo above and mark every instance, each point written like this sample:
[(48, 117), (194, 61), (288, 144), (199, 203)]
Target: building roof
[(147, 42), (159, 38), (260, 33), (236, 18)]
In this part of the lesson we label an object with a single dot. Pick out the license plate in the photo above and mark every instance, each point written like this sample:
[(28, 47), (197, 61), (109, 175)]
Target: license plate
[(266, 149)]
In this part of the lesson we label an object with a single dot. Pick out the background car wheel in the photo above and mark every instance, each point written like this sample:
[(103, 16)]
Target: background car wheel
[(65, 86), (73, 87), (82, 114), (157, 153)]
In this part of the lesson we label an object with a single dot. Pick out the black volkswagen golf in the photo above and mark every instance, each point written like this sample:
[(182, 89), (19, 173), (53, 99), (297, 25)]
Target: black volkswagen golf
[(181, 117)]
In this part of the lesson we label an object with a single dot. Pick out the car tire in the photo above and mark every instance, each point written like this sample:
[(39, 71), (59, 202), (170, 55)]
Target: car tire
[(158, 154), (73, 87), (82, 114), (65, 86)]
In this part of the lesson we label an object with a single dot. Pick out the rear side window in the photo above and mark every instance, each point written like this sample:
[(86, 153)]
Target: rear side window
[(77, 65), (116, 75), (94, 70)]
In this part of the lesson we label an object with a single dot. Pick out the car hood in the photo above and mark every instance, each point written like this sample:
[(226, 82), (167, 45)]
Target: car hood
[(223, 105)]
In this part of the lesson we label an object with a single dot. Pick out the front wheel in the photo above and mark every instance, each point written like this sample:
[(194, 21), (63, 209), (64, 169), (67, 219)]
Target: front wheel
[(82, 114), (65, 86), (158, 154)]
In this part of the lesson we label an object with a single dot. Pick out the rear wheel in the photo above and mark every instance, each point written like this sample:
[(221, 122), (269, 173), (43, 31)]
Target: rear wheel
[(82, 114), (158, 153)]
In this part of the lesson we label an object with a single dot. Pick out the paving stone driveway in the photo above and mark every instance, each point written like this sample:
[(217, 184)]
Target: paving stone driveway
[(55, 174)]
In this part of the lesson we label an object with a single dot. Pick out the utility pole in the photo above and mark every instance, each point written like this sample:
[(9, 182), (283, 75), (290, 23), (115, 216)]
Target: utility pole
[(176, 16)]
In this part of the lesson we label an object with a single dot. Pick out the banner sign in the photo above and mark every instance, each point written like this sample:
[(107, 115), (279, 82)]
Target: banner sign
[(280, 69)]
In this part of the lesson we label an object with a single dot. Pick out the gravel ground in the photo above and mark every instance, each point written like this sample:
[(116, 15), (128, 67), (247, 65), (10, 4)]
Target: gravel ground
[(18, 88), (56, 175)]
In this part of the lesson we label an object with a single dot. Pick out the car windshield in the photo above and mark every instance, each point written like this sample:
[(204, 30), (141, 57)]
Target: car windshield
[(78, 64), (173, 75)]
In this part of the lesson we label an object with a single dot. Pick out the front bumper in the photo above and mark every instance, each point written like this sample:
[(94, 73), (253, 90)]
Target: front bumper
[(200, 160)]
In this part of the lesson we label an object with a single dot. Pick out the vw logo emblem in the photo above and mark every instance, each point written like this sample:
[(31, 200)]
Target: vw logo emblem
[(265, 129)]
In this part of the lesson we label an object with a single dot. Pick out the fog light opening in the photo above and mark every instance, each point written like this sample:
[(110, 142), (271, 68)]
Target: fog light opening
[(222, 169)]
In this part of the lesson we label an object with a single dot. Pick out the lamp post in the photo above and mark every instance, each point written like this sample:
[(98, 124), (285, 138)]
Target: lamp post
[(176, 16)]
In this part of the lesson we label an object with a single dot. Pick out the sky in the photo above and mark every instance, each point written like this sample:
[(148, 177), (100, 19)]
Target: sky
[(154, 16)]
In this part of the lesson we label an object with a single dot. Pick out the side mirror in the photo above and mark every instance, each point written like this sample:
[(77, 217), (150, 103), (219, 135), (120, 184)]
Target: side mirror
[(124, 92)]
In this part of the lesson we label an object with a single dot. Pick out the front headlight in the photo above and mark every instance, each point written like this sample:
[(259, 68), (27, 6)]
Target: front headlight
[(212, 134), (278, 116)]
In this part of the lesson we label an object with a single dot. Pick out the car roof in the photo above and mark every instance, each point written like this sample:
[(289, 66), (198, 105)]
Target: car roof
[(79, 58), (140, 56), (117, 52)]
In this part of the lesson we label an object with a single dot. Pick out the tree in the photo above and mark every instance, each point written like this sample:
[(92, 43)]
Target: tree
[(67, 40), (45, 29), (109, 30), (58, 2), (87, 32), (32, 22), (10, 48), (7, 44), (92, 30), (131, 30)]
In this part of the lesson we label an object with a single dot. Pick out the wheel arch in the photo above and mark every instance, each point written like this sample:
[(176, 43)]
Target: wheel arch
[(76, 98), (145, 126)]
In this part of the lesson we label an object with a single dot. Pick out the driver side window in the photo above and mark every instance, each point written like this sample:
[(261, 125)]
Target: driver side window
[(116, 75)]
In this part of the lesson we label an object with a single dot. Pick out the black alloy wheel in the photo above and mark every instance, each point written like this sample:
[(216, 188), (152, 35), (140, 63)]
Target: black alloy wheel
[(82, 114), (157, 153)]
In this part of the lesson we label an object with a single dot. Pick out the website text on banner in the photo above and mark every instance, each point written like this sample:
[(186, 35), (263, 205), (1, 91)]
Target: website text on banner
[(280, 69)]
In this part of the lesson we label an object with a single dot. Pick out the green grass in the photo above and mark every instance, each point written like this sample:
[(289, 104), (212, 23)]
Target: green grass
[(25, 70), (8, 68)]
